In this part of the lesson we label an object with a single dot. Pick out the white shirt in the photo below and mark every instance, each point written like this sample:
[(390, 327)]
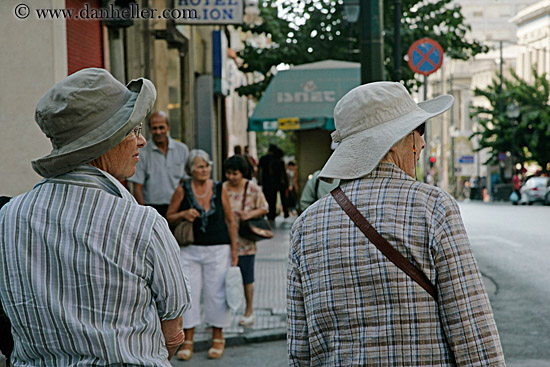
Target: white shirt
[(161, 174)]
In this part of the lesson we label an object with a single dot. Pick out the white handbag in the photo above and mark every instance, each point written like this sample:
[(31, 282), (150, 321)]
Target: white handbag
[(234, 290)]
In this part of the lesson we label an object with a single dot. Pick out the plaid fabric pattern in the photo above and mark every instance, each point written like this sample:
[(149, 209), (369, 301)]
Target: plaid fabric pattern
[(348, 305), (86, 274)]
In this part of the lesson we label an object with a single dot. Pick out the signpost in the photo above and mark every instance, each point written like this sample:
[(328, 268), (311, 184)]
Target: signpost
[(425, 57)]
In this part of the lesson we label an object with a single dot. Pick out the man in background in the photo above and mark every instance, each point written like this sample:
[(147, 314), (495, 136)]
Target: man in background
[(315, 188), (161, 166), (273, 179)]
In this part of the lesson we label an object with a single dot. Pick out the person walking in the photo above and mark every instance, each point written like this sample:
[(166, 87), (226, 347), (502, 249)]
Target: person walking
[(315, 188), (252, 162), (89, 276), (255, 206), (238, 151), (161, 167), (292, 190), (273, 180), (348, 304), (205, 203)]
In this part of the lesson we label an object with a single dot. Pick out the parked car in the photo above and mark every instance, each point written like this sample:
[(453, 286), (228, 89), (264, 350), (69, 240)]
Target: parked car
[(535, 189)]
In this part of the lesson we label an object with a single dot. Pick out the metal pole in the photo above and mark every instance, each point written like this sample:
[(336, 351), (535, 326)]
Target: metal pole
[(372, 54), (500, 103), (501, 74), (425, 87), (427, 135), (397, 42)]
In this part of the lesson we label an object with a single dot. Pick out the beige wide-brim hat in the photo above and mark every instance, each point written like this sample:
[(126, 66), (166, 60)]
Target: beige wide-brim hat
[(369, 120), (87, 114)]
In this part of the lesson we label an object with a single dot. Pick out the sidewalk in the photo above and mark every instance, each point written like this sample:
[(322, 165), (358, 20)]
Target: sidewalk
[(269, 295)]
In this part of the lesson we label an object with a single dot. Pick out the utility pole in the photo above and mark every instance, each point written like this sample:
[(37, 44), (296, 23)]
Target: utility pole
[(372, 53), (397, 40), (500, 105)]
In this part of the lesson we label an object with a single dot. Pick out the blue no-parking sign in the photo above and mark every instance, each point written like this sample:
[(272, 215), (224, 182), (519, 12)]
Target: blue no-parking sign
[(425, 56)]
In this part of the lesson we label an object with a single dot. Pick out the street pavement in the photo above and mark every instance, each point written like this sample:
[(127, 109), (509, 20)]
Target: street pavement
[(512, 247), (264, 354), (269, 303)]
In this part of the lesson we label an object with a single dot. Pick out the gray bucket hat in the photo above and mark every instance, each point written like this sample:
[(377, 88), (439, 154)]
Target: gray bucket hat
[(87, 114), (369, 120)]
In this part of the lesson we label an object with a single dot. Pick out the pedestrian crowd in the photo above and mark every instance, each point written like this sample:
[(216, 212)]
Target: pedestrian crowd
[(93, 275)]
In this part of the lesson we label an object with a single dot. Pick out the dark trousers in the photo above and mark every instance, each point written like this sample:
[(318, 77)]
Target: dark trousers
[(271, 197), (6, 340), (161, 208)]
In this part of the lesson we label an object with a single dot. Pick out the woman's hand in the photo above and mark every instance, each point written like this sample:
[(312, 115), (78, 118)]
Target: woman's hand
[(234, 256), (244, 215), (191, 214)]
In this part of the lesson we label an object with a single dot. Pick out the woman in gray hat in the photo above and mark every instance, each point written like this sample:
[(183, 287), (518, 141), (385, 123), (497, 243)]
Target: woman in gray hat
[(89, 277), (349, 304)]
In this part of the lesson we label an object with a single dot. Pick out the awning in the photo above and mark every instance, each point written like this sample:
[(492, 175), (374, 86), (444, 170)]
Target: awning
[(303, 97)]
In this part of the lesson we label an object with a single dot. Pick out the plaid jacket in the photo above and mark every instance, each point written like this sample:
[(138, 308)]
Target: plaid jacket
[(348, 305)]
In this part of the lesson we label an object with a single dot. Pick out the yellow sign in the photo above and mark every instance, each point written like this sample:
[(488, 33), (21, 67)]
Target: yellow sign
[(289, 123)]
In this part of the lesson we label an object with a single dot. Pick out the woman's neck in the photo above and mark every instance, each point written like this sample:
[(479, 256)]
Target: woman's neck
[(199, 183), (238, 186), (200, 188)]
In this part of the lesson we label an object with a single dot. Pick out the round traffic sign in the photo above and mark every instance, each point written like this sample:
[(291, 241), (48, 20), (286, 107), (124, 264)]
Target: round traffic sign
[(425, 56)]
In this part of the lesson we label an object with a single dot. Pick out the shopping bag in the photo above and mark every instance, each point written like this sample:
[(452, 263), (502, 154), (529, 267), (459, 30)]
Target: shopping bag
[(234, 290)]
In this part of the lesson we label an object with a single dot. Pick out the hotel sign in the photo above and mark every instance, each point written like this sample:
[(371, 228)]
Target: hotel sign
[(211, 11)]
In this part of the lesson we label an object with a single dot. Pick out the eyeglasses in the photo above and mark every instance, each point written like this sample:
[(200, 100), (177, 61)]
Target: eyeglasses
[(421, 129), (137, 130)]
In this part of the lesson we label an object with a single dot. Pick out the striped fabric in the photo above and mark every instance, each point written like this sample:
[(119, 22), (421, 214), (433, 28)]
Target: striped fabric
[(86, 274), (348, 305)]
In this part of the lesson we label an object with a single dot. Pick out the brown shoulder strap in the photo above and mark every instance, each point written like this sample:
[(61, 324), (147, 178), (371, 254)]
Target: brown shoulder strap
[(381, 244), (244, 195)]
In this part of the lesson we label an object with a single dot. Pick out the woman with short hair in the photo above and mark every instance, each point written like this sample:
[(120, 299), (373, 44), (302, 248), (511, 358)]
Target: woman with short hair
[(255, 206), (205, 203)]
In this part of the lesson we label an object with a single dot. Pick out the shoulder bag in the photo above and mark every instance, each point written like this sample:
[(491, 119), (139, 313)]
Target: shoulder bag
[(255, 229), (381, 244), (183, 232)]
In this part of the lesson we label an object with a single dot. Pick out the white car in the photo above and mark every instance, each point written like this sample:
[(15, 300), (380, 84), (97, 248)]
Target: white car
[(535, 189)]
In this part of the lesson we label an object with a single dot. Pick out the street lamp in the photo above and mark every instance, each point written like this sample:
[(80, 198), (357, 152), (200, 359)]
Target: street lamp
[(371, 41), (351, 10), (351, 15), (512, 113)]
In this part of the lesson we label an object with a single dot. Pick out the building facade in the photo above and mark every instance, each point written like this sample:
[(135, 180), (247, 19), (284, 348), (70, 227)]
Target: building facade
[(458, 166), (188, 63)]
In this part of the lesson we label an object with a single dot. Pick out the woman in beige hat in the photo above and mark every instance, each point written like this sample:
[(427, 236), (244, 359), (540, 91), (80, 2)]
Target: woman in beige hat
[(348, 304), (89, 276)]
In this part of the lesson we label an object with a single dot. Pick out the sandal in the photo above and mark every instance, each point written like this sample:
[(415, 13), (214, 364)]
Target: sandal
[(247, 320), (185, 354), (216, 353)]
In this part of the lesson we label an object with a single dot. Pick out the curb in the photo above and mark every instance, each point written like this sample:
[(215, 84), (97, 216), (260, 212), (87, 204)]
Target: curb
[(259, 336)]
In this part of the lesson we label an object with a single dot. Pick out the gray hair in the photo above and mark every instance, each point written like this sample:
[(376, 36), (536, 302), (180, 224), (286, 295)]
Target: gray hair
[(196, 153)]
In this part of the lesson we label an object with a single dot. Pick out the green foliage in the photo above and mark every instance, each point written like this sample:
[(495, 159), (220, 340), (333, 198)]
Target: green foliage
[(527, 137), (437, 20), (284, 140), (315, 30)]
